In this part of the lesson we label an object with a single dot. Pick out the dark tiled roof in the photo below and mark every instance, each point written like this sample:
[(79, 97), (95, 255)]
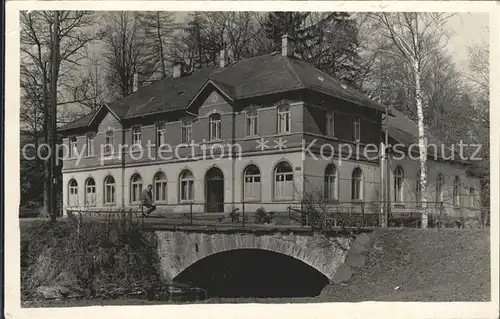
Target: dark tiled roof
[(79, 122), (255, 76)]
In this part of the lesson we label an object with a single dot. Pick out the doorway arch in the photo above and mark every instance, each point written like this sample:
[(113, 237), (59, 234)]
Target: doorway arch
[(214, 190)]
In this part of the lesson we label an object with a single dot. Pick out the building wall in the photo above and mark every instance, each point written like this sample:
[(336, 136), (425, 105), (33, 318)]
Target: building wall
[(233, 182)]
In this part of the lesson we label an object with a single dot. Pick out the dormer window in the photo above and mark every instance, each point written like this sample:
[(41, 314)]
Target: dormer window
[(136, 136), (215, 127), (284, 119), (330, 124), (356, 127), (252, 123), (186, 132)]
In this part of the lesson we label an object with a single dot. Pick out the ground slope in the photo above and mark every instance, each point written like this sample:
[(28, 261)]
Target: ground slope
[(449, 265)]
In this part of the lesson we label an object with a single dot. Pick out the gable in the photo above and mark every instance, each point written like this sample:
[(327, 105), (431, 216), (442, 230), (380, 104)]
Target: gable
[(208, 98), (109, 122)]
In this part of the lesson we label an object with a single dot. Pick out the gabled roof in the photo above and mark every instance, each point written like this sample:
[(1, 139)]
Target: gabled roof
[(257, 76)]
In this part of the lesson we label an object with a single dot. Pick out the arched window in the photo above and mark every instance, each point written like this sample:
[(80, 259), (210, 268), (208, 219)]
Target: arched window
[(251, 186), (90, 192), (186, 186), (418, 188), (330, 182), (439, 187), (399, 176), (456, 191), (215, 126), (284, 119), (283, 181), (109, 190), (135, 188), (357, 184), (72, 193), (160, 187)]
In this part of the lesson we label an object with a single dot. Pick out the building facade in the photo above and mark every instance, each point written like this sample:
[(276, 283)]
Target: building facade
[(265, 131)]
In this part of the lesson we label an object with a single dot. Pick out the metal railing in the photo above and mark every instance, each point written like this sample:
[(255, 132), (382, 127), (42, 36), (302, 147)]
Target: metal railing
[(312, 214)]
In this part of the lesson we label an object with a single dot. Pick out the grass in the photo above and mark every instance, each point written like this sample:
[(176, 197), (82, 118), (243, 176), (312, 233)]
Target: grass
[(426, 265)]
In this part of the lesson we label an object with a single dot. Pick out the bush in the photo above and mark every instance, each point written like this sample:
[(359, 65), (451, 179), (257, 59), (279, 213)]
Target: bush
[(89, 255), (262, 217)]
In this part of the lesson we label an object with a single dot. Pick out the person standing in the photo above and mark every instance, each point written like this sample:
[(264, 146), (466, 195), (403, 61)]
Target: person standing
[(147, 200)]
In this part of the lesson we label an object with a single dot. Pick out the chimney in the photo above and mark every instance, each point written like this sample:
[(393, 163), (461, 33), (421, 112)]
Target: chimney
[(136, 82), (178, 68), (287, 45), (224, 58)]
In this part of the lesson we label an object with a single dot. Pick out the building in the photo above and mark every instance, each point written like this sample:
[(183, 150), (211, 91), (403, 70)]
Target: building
[(266, 131)]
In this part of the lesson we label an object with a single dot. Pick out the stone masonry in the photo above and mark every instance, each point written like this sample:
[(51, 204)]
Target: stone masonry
[(180, 249)]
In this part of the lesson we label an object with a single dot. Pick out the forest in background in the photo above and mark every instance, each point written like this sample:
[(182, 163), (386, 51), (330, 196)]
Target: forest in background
[(73, 61)]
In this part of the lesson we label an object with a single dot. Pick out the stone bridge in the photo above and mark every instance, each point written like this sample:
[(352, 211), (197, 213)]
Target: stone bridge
[(334, 255)]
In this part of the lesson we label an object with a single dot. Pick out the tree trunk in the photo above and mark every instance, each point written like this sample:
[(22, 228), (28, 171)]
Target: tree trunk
[(160, 43), (53, 99), (422, 144)]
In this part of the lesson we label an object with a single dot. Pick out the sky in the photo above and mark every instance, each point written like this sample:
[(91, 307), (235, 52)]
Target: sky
[(467, 30)]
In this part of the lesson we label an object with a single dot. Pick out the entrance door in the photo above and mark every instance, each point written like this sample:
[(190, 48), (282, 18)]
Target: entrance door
[(214, 190)]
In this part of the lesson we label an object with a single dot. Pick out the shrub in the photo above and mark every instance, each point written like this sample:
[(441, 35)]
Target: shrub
[(262, 217), (89, 255)]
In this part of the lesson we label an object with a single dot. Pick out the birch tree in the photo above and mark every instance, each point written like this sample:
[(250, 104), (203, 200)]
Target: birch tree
[(415, 38)]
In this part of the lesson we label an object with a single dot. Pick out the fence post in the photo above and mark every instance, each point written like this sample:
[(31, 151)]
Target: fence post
[(243, 218), (289, 214), (362, 214), (440, 214), (243, 212), (191, 214)]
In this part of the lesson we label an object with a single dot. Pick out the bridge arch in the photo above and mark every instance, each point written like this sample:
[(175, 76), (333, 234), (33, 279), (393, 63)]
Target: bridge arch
[(324, 255)]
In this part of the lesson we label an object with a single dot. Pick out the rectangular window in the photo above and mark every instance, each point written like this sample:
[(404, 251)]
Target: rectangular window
[(330, 124), (73, 149), (186, 132), (108, 147), (284, 120), (356, 130), (161, 135), (252, 124), (90, 145), (215, 127), (136, 136)]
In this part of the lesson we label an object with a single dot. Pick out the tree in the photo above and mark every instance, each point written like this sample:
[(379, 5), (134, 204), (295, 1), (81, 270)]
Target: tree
[(88, 91), (327, 40), (415, 37), (159, 27), (125, 52), (51, 44)]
